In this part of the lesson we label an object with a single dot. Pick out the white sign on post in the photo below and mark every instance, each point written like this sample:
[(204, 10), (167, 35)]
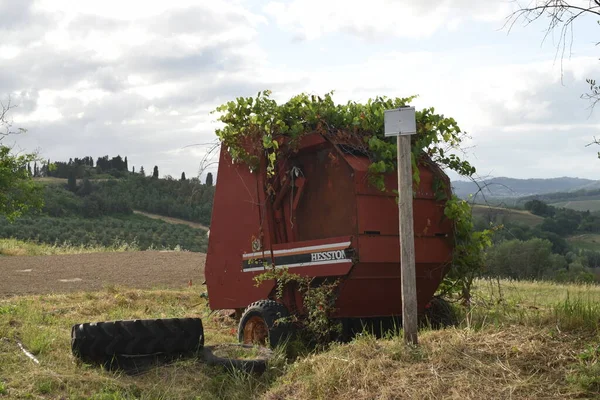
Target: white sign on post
[(400, 121)]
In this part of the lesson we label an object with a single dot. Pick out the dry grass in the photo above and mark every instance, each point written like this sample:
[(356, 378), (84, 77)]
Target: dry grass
[(520, 340), (449, 364), (14, 247), (42, 324)]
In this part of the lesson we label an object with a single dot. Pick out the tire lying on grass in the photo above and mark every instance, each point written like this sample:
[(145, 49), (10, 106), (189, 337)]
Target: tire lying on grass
[(99, 341), (257, 364)]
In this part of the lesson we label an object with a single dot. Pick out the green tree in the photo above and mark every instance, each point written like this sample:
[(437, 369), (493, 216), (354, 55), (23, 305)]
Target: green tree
[(86, 188), (183, 176), (18, 192), (71, 181), (540, 208), (209, 179), (155, 172), (530, 259)]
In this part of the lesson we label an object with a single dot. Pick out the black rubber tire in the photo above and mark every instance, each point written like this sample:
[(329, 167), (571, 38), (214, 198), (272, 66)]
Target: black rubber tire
[(439, 314), (102, 340), (257, 365), (270, 311)]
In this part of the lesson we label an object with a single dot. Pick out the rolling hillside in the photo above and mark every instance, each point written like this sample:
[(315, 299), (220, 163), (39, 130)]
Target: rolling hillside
[(579, 205), (505, 215), (509, 188), (99, 211), (589, 241)]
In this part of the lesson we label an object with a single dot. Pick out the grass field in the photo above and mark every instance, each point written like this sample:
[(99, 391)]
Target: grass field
[(106, 231), (588, 241), (14, 247), (580, 205), (519, 340), (504, 215), (48, 180)]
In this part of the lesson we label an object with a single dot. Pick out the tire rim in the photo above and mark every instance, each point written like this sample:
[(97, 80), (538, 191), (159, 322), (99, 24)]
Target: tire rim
[(256, 331)]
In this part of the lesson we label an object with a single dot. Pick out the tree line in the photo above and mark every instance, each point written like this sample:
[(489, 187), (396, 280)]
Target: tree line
[(78, 168), (543, 252), (100, 213)]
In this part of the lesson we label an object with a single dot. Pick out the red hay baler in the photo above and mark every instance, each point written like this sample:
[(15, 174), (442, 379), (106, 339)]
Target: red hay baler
[(320, 217)]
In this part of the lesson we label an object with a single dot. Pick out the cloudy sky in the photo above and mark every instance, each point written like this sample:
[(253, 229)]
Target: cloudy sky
[(139, 78)]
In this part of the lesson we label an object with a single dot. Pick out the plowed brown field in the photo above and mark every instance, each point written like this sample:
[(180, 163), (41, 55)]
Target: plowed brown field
[(86, 272)]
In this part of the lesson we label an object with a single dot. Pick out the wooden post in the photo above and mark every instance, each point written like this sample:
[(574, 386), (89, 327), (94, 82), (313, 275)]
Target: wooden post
[(407, 241)]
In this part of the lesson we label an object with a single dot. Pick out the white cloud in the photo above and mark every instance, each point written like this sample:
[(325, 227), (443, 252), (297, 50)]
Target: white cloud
[(518, 115), (140, 78), (311, 19)]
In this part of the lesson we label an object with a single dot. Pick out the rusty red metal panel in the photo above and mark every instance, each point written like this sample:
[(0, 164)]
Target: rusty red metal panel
[(235, 221), (385, 249), (328, 204), (377, 215), (373, 290), (322, 218)]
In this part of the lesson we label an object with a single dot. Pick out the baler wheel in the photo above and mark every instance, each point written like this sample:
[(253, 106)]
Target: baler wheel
[(260, 324), (439, 314), (99, 341)]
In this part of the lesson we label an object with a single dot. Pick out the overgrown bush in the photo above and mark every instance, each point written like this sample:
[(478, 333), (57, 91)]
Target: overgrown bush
[(258, 127)]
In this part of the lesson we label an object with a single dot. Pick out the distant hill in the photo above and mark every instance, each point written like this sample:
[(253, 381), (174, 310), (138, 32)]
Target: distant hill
[(504, 215), (510, 188), (587, 199)]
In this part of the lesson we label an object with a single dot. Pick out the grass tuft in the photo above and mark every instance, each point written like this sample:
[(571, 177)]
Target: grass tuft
[(14, 247)]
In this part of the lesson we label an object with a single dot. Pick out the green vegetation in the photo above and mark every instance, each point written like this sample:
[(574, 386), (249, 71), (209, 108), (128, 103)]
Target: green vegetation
[(106, 231), (592, 205), (255, 125), (518, 339), (561, 246), (258, 128), (501, 215), (587, 241), (100, 213), (14, 247), (533, 259), (579, 200), (188, 200), (18, 193)]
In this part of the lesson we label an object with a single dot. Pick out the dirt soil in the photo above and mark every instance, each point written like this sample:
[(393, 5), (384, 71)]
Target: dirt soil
[(88, 272)]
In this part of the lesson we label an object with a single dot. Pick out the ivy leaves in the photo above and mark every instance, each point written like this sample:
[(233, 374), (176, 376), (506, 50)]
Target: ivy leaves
[(255, 127)]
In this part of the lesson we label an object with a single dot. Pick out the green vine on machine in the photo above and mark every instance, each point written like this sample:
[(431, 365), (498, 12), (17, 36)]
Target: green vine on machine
[(258, 126)]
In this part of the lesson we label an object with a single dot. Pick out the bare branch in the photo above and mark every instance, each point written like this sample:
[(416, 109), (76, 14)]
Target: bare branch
[(561, 15), (6, 124)]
